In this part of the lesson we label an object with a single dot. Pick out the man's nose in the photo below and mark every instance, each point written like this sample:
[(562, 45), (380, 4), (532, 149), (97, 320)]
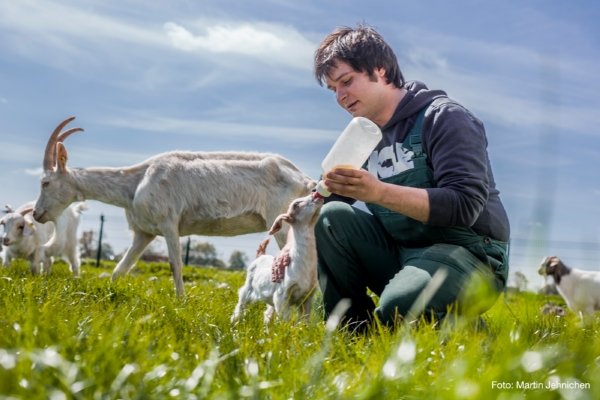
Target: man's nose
[(340, 95)]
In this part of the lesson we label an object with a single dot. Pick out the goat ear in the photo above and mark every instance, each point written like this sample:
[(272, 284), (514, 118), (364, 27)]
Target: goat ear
[(29, 227), (278, 223), (262, 248), (61, 153)]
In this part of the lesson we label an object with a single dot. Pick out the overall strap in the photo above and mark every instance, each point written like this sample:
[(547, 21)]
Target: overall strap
[(413, 138)]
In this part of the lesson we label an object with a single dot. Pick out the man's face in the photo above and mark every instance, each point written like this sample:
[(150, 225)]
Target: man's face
[(357, 93)]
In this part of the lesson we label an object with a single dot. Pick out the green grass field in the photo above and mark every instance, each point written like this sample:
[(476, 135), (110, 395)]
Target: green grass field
[(90, 338)]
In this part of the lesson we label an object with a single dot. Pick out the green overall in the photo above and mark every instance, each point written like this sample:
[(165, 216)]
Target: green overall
[(396, 257)]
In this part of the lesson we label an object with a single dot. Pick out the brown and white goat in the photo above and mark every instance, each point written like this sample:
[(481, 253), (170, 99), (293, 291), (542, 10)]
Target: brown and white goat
[(175, 194), (579, 288), (290, 279)]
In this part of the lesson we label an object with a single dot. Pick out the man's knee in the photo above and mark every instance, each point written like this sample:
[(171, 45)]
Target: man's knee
[(332, 219), (334, 212), (401, 294)]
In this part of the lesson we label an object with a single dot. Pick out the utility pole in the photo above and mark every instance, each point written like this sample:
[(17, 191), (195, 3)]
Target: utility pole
[(100, 241)]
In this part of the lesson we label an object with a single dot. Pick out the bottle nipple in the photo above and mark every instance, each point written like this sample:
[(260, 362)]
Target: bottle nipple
[(322, 190)]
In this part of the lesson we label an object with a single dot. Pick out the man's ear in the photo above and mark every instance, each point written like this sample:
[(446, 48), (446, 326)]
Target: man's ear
[(381, 72), (61, 156)]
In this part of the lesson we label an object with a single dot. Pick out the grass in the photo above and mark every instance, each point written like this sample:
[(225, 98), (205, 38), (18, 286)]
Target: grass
[(90, 338)]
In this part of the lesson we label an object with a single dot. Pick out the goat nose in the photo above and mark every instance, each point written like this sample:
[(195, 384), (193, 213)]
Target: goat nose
[(6, 241)]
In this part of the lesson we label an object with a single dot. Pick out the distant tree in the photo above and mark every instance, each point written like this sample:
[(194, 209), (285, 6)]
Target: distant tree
[(151, 254), (88, 246), (521, 281), (108, 253), (238, 260), (204, 253)]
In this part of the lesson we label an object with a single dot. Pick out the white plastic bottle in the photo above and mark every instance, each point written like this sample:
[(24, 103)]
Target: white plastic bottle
[(351, 149)]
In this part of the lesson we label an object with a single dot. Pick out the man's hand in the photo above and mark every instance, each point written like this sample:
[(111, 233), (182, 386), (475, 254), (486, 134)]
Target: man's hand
[(355, 183), (361, 185)]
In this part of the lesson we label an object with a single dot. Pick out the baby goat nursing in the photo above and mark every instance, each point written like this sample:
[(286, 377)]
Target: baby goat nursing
[(271, 280), (579, 288), (175, 194)]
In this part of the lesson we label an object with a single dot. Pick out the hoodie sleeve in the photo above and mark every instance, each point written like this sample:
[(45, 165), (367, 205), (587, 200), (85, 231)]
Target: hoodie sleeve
[(456, 145)]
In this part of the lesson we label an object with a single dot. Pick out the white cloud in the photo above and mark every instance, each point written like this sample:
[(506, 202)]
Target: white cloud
[(243, 39), (50, 21), (34, 171), (267, 42)]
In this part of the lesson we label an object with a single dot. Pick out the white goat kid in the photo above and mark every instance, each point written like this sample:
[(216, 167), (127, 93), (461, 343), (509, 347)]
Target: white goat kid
[(296, 284), (25, 238), (175, 193), (39, 243), (580, 289), (65, 243)]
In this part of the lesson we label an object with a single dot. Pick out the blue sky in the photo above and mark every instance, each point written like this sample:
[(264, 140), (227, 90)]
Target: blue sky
[(147, 77)]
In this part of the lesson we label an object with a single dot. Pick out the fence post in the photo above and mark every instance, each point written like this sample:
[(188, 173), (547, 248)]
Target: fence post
[(187, 251), (99, 253)]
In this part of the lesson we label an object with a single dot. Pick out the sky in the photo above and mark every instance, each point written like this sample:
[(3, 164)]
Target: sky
[(148, 77)]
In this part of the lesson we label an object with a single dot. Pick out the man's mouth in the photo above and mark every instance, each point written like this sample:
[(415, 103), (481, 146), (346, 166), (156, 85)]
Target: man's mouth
[(350, 106)]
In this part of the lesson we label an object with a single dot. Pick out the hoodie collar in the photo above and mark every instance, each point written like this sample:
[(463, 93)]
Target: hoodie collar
[(417, 96)]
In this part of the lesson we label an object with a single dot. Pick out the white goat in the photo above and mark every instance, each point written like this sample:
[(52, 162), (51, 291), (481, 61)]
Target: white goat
[(25, 238), (175, 193), (270, 279), (38, 243), (65, 243), (580, 289)]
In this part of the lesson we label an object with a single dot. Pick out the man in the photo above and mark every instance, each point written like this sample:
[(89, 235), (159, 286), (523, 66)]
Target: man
[(428, 184)]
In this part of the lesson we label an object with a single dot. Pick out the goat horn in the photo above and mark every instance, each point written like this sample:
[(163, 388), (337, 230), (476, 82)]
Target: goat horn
[(68, 133), (25, 211), (50, 153)]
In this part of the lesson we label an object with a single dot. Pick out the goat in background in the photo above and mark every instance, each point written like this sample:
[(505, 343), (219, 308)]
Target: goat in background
[(580, 289), (39, 243), (175, 194)]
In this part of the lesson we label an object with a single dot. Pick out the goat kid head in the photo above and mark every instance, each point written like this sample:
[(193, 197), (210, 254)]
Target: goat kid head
[(303, 210), (16, 226), (553, 266), (57, 191)]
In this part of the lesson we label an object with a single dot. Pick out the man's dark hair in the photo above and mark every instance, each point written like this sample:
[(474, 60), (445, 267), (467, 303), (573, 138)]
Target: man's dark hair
[(362, 48)]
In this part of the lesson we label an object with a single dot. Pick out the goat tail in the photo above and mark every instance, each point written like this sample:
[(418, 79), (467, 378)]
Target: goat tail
[(79, 208), (262, 247)]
